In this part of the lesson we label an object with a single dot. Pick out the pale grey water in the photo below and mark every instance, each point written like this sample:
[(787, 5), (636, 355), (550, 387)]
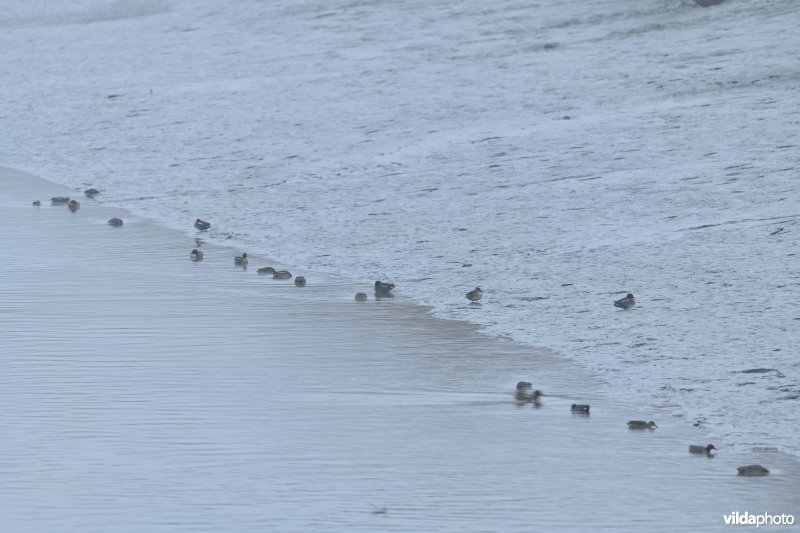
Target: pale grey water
[(143, 392)]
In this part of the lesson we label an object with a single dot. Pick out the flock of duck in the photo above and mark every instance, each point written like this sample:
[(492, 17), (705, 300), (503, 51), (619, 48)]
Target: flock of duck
[(382, 289), (524, 393)]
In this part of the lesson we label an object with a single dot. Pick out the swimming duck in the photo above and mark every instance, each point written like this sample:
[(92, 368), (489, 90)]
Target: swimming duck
[(282, 274), (752, 470), (266, 270), (361, 297), (240, 260), (73, 205), (581, 408), (525, 393), (475, 294), (300, 281), (202, 225), (196, 255), (523, 386), (706, 450), (534, 398), (37, 203), (59, 200), (641, 424), (91, 192), (528, 396), (625, 303), (383, 289), (115, 222)]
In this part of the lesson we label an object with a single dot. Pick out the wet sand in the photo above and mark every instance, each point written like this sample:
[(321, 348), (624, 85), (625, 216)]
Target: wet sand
[(144, 392)]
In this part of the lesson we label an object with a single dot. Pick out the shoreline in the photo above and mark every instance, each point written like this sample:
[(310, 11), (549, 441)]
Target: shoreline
[(158, 372)]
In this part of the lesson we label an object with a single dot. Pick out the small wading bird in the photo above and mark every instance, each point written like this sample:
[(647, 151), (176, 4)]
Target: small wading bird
[(475, 294), (115, 222), (202, 225), (383, 289), (240, 260), (625, 303), (196, 255), (704, 450), (581, 408), (641, 424)]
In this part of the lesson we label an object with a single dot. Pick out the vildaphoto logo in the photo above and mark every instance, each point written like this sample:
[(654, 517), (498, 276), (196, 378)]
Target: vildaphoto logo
[(765, 519)]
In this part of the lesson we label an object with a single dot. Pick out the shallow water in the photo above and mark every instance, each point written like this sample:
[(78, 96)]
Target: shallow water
[(569, 152), (142, 391)]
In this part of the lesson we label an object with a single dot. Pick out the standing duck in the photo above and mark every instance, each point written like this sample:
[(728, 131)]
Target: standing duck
[(383, 290), (240, 260), (475, 294), (196, 255)]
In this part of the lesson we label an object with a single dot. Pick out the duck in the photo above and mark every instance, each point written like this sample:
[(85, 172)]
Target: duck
[(36, 203), (625, 303), (202, 225), (116, 222), (532, 397), (706, 450), (641, 424), (300, 281), (752, 470), (581, 408), (475, 294), (523, 386), (383, 289), (240, 260), (525, 393), (361, 296), (265, 270), (91, 192), (73, 205), (282, 274), (59, 200), (535, 397), (196, 255)]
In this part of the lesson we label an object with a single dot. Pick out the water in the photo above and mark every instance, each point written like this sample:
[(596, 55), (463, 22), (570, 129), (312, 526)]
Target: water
[(142, 391), (570, 153)]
